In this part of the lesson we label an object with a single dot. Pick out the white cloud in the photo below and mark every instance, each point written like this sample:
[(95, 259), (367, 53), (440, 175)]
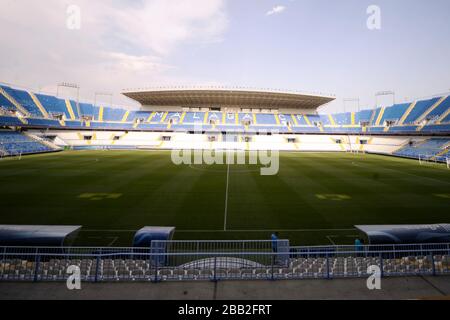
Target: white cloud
[(276, 10), (120, 44)]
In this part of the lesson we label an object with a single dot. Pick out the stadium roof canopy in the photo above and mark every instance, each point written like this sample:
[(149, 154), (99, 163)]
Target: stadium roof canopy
[(221, 97)]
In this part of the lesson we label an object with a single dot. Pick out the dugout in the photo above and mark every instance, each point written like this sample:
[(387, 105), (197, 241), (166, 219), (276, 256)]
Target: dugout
[(406, 234), (37, 236), (148, 237), (144, 237)]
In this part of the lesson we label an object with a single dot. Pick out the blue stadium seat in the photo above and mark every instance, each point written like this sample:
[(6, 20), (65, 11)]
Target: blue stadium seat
[(10, 121), (25, 100), (446, 119), (325, 119), (111, 125), (139, 115), (14, 143), (441, 128), (6, 103), (230, 128), (343, 119), (48, 123), (425, 150), (419, 109), (266, 119), (87, 110), (440, 110), (194, 117), (394, 113), (54, 105), (73, 124), (363, 116), (307, 129), (112, 114), (403, 129)]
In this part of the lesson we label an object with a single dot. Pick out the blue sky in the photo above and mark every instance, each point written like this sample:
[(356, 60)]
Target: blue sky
[(315, 46)]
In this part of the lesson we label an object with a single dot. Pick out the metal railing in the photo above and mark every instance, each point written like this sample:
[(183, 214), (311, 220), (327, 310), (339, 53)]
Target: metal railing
[(146, 264)]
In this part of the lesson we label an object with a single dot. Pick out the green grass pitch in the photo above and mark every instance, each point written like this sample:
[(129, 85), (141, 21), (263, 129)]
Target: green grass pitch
[(316, 198)]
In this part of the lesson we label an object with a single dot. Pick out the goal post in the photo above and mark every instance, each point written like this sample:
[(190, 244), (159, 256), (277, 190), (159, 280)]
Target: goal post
[(356, 151), (430, 159)]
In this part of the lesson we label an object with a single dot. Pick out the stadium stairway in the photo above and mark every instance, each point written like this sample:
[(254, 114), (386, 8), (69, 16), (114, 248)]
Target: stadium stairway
[(100, 114), (408, 111), (433, 107), (70, 110), (441, 118), (380, 116), (372, 117), (125, 116), (183, 115), (15, 103), (164, 117), (332, 122), (42, 141), (150, 117), (39, 105)]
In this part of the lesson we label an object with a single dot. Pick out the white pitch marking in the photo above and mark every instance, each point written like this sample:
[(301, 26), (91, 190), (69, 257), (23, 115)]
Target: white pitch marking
[(331, 240), (114, 239)]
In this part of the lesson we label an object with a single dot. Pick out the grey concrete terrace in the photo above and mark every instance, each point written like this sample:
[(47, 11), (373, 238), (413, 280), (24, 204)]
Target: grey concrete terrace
[(348, 289)]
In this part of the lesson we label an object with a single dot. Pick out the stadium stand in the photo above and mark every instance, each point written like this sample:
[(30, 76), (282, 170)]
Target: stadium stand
[(54, 106), (434, 112), (419, 109), (265, 119), (426, 149), (4, 102), (23, 109), (437, 128), (111, 114), (14, 143), (303, 263), (10, 121), (394, 113), (25, 100)]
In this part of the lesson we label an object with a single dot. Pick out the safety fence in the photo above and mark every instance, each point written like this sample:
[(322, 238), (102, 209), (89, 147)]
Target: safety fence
[(265, 261)]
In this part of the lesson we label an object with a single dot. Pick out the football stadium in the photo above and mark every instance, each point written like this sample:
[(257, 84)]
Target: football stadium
[(216, 183), (335, 171)]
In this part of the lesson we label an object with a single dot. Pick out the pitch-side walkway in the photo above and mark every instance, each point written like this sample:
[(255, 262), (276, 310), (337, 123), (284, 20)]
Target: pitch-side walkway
[(392, 288)]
